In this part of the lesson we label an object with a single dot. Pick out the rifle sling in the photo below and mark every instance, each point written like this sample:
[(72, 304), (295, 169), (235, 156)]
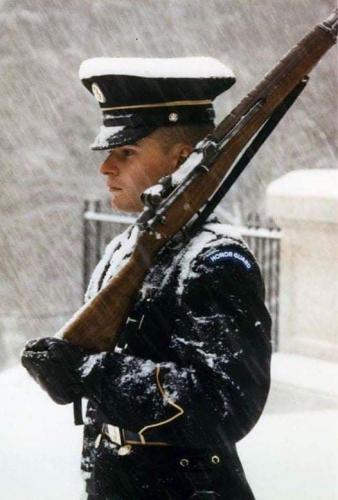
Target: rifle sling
[(245, 159), (77, 409)]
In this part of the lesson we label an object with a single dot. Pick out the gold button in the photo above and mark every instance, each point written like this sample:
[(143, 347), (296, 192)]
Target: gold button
[(173, 117), (215, 459), (184, 462), (124, 450)]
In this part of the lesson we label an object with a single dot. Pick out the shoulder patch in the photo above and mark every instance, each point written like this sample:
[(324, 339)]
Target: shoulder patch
[(234, 255)]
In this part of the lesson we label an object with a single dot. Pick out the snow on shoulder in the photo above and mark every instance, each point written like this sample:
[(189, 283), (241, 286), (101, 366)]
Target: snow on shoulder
[(176, 67), (213, 235)]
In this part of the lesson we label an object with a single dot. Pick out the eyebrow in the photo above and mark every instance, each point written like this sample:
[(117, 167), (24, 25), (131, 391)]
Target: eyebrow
[(130, 145), (124, 146)]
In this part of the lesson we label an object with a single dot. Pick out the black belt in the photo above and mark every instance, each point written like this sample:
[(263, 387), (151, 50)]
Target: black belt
[(125, 440)]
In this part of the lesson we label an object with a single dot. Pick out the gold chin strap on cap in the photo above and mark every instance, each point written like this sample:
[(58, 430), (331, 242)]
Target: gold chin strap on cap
[(169, 104)]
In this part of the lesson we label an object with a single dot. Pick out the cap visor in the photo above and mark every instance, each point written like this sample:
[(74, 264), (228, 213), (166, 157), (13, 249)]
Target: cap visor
[(113, 137)]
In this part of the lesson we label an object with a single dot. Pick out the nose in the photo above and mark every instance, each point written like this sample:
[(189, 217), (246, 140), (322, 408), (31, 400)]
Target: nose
[(109, 167)]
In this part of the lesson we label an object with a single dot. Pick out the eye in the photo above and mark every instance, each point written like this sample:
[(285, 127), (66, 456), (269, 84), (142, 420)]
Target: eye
[(127, 152)]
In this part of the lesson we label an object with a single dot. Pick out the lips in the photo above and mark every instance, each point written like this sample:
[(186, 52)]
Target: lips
[(113, 188)]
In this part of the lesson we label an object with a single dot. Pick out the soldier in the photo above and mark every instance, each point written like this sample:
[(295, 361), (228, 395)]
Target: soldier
[(190, 375)]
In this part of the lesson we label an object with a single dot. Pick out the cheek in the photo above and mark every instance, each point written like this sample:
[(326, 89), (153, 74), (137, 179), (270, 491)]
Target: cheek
[(140, 179), (133, 184), (153, 170)]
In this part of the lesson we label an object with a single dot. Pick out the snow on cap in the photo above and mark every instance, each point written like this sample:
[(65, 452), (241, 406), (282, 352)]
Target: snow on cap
[(175, 67), (137, 95)]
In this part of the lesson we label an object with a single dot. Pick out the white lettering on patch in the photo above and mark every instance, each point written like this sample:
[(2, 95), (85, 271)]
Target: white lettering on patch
[(229, 254)]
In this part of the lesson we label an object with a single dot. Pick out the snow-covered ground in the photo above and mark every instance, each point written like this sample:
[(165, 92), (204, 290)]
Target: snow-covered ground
[(39, 445), (291, 454)]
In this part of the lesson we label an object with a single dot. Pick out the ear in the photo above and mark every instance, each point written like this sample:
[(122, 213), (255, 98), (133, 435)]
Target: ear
[(180, 153)]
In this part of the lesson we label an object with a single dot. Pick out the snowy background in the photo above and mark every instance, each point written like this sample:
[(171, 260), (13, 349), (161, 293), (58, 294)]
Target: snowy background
[(48, 120), (46, 170)]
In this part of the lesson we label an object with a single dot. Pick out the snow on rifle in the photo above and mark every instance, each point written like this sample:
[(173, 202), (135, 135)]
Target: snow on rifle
[(174, 202)]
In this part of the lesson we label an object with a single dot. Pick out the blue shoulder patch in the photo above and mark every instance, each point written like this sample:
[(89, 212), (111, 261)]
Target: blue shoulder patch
[(236, 256)]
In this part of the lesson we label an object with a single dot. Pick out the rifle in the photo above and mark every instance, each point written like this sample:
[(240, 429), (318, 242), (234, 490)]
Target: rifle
[(182, 200)]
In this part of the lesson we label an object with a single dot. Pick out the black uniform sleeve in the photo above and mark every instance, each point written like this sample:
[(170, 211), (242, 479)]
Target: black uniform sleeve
[(218, 373)]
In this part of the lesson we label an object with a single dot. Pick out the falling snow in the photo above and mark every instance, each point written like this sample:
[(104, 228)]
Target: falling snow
[(48, 122)]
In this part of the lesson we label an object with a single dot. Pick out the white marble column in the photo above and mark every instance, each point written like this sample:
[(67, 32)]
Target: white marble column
[(305, 205)]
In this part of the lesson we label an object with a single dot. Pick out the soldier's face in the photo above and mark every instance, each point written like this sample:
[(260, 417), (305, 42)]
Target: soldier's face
[(129, 170)]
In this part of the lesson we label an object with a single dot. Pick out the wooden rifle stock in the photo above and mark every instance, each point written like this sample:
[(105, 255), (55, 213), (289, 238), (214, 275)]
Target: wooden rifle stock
[(96, 326)]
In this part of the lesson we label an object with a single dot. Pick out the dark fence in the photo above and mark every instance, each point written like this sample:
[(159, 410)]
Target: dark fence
[(262, 237)]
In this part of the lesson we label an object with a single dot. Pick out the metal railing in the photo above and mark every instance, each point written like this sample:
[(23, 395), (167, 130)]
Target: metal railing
[(262, 237)]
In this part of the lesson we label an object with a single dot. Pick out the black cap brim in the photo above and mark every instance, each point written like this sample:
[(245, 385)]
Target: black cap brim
[(114, 137)]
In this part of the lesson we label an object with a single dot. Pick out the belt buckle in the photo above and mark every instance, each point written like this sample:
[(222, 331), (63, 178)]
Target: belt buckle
[(113, 433)]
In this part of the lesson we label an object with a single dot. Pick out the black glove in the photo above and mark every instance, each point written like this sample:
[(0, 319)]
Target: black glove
[(65, 371)]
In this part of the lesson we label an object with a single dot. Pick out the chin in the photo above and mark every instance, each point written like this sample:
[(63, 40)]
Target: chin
[(125, 206)]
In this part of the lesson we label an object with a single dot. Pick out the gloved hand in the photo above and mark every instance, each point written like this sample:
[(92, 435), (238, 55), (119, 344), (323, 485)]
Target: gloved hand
[(65, 371)]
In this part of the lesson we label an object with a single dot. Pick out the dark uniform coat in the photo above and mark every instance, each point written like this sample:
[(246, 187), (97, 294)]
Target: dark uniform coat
[(189, 379)]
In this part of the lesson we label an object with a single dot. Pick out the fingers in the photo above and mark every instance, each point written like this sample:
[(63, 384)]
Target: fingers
[(39, 344), (51, 376), (31, 358), (53, 363), (34, 362), (35, 344)]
